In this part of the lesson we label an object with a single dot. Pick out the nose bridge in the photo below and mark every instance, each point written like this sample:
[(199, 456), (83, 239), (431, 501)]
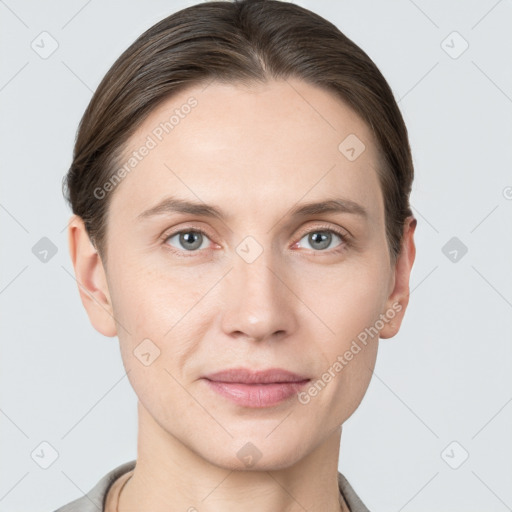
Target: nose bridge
[(260, 305), (260, 281)]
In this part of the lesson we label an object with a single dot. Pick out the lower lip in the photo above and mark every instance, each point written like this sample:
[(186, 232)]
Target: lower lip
[(257, 395)]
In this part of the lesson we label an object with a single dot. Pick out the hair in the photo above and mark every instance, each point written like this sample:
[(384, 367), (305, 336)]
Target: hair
[(243, 41)]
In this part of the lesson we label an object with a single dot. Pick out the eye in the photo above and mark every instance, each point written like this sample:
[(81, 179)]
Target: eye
[(188, 240), (321, 239), (193, 240)]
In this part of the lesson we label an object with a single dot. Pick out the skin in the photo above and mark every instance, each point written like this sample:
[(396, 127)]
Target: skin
[(255, 152)]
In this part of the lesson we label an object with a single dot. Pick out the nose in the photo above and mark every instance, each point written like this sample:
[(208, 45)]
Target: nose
[(258, 303)]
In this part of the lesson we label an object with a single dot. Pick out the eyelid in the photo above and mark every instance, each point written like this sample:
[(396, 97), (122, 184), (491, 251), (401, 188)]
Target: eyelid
[(342, 233), (346, 239)]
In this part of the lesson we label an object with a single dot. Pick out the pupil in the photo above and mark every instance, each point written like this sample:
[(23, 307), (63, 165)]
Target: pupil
[(324, 239), (190, 238)]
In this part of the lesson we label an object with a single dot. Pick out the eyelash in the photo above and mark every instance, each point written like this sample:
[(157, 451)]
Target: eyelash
[(343, 246)]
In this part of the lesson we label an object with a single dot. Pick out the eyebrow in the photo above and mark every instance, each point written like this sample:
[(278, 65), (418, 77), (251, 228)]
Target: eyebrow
[(172, 205)]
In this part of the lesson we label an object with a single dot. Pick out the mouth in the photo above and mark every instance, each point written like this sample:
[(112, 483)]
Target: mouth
[(256, 389)]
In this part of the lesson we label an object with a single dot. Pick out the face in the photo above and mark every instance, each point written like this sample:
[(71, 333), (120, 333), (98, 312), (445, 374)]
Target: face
[(263, 283)]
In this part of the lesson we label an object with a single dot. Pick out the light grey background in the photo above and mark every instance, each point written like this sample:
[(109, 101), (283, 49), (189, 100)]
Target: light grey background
[(445, 377)]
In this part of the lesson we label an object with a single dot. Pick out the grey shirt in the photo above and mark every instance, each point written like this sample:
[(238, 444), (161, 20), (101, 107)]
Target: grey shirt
[(94, 500)]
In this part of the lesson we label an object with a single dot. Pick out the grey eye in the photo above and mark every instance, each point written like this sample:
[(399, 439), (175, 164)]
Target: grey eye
[(189, 240), (320, 239)]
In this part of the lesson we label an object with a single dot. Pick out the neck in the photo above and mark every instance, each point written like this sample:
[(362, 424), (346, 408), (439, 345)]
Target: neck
[(169, 474)]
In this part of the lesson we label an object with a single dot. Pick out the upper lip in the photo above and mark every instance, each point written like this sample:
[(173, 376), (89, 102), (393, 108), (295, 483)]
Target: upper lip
[(246, 376)]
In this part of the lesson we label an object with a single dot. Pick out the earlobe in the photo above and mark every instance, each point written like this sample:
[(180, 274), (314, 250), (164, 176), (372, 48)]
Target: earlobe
[(90, 277), (399, 298)]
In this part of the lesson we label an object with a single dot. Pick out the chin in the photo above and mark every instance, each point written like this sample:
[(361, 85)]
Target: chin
[(254, 455)]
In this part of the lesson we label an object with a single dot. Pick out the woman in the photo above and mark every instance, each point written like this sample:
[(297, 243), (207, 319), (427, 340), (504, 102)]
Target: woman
[(249, 132)]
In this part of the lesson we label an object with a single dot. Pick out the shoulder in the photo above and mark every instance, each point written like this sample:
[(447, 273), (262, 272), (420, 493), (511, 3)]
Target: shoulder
[(94, 500), (353, 500)]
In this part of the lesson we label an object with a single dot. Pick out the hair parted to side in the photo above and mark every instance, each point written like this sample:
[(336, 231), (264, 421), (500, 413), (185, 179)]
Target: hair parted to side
[(244, 41)]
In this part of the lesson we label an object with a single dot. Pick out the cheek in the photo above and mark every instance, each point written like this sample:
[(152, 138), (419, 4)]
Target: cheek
[(347, 298), (147, 301), (349, 304), (152, 338), (160, 317)]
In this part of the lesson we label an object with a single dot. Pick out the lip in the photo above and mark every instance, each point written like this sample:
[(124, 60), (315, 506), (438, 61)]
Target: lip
[(246, 376), (256, 389)]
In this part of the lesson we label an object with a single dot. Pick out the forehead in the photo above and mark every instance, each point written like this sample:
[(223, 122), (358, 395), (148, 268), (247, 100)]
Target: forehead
[(269, 144)]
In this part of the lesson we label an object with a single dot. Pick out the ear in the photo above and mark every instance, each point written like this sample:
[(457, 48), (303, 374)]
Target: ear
[(91, 278), (399, 298)]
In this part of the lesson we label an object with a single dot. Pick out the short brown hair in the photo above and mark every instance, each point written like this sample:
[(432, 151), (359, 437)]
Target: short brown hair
[(242, 41)]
